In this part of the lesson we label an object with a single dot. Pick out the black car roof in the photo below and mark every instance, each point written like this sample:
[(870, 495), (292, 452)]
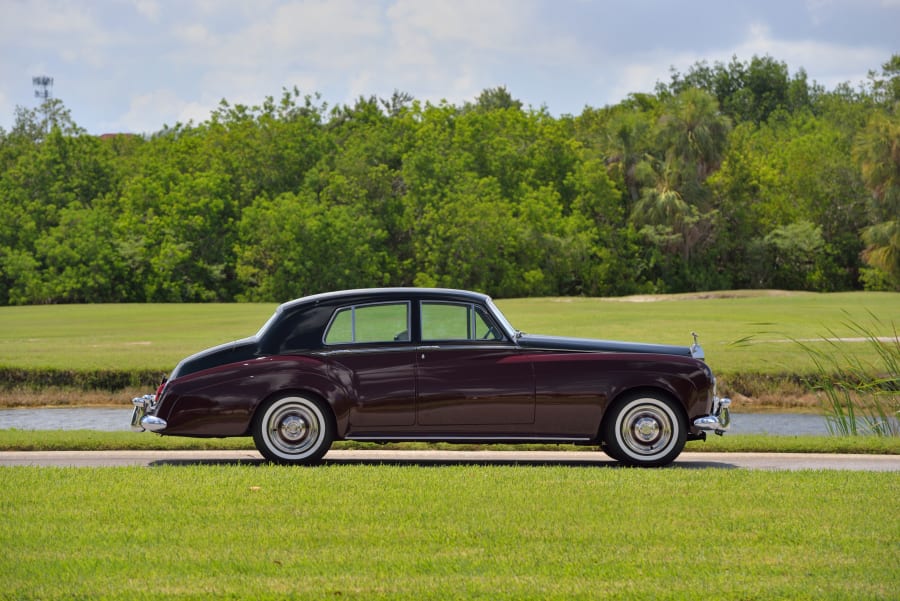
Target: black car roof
[(376, 294)]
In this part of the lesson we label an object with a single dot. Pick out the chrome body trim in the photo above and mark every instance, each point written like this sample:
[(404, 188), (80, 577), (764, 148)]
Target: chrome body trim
[(500, 344)]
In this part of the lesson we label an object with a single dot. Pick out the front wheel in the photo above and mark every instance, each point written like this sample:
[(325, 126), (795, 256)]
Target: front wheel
[(645, 430), (293, 430)]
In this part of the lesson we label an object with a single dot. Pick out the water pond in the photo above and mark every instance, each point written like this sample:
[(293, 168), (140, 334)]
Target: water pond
[(116, 419)]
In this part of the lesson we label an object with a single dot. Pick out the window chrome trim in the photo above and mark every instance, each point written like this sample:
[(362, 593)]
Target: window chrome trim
[(353, 309), (359, 348), (498, 316), (473, 310), (460, 345)]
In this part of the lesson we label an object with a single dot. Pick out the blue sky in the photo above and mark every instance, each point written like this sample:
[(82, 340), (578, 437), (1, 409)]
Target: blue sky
[(137, 65)]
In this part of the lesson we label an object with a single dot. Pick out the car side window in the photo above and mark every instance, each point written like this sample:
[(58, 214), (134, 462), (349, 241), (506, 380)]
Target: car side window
[(456, 321), (385, 322)]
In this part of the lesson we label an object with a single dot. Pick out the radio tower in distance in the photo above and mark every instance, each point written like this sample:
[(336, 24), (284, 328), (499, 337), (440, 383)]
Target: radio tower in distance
[(43, 87)]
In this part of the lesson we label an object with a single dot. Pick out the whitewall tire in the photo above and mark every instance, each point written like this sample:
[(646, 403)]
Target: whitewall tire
[(646, 430), (293, 429)]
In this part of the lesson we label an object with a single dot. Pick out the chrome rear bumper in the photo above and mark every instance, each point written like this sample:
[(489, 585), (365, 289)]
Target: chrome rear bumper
[(719, 421), (140, 420)]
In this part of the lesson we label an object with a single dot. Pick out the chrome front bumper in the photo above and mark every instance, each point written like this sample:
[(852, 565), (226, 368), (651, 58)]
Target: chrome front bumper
[(719, 421), (140, 420)]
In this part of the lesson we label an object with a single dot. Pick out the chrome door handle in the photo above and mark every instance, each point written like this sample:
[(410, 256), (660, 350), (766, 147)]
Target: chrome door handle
[(422, 350)]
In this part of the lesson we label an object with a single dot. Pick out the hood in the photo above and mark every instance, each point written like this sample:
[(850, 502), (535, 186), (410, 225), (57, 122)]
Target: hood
[(230, 352), (559, 343)]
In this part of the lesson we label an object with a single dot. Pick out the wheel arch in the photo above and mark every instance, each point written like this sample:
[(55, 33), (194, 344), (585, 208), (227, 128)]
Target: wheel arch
[(309, 393), (644, 426), (293, 428), (632, 392)]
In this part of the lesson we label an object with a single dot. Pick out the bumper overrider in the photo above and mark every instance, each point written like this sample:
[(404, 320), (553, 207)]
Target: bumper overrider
[(141, 419), (720, 419)]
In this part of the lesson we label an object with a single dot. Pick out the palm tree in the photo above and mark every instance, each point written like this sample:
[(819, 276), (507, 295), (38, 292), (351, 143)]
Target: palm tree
[(878, 152), (694, 129), (661, 203), (666, 217), (628, 135)]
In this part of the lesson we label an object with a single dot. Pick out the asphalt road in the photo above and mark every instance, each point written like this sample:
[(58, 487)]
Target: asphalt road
[(755, 461)]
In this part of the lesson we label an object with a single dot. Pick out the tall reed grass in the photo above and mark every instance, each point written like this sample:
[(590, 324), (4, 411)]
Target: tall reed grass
[(860, 397)]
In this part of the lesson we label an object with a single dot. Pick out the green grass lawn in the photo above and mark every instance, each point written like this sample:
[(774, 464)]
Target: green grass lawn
[(458, 532), (750, 333), (138, 336)]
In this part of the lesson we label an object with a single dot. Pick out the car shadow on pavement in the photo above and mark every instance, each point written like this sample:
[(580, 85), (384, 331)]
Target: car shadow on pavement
[(419, 462)]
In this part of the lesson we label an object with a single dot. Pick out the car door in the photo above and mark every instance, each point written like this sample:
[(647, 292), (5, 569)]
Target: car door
[(468, 374), (370, 349)]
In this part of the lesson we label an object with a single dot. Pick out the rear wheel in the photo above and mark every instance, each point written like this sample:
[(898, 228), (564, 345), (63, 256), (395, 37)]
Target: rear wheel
[(646, 430), (293, 430)]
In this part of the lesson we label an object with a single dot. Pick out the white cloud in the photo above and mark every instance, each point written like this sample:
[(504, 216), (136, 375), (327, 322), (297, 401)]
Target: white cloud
[(44, 18), (472, 25), (453, 50), (638, 78), (327, 34), (63, 29), (194, 35), (6, 108), (148, 112), (148, 8), (827, 63)]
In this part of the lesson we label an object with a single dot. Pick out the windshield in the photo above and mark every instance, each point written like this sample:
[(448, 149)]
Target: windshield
[(504, 323)]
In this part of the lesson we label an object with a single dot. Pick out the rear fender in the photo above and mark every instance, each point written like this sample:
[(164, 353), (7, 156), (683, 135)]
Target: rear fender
[(222, 401)]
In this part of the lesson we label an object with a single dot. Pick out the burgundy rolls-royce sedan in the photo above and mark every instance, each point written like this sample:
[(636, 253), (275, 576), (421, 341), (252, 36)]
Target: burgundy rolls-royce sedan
[(413, 364)]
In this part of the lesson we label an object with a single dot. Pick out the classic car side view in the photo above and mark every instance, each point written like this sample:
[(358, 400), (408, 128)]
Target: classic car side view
[(415, 364)]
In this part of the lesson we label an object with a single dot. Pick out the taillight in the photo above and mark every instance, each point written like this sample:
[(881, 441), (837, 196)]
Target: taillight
[(159, 390)]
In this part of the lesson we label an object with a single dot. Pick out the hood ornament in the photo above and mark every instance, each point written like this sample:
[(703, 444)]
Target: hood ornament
[(696, 349)]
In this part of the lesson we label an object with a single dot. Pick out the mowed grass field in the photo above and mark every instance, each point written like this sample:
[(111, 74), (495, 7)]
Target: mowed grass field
[(751, 332), (451, 532)]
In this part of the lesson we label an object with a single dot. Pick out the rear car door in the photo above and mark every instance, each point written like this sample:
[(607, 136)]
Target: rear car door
[(372, 356)]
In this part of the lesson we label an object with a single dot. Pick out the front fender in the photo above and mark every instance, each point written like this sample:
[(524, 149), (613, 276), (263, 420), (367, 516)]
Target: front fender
[(581, 386)]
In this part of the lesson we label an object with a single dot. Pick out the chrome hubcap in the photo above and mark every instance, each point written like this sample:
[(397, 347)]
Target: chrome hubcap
[(646, 429), (293, 428)]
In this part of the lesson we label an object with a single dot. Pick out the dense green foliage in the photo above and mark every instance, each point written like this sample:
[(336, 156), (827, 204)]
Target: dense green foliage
[(729, 176)]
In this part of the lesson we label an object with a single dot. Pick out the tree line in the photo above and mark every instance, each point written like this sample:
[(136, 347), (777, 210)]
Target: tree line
[(728, 176)]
